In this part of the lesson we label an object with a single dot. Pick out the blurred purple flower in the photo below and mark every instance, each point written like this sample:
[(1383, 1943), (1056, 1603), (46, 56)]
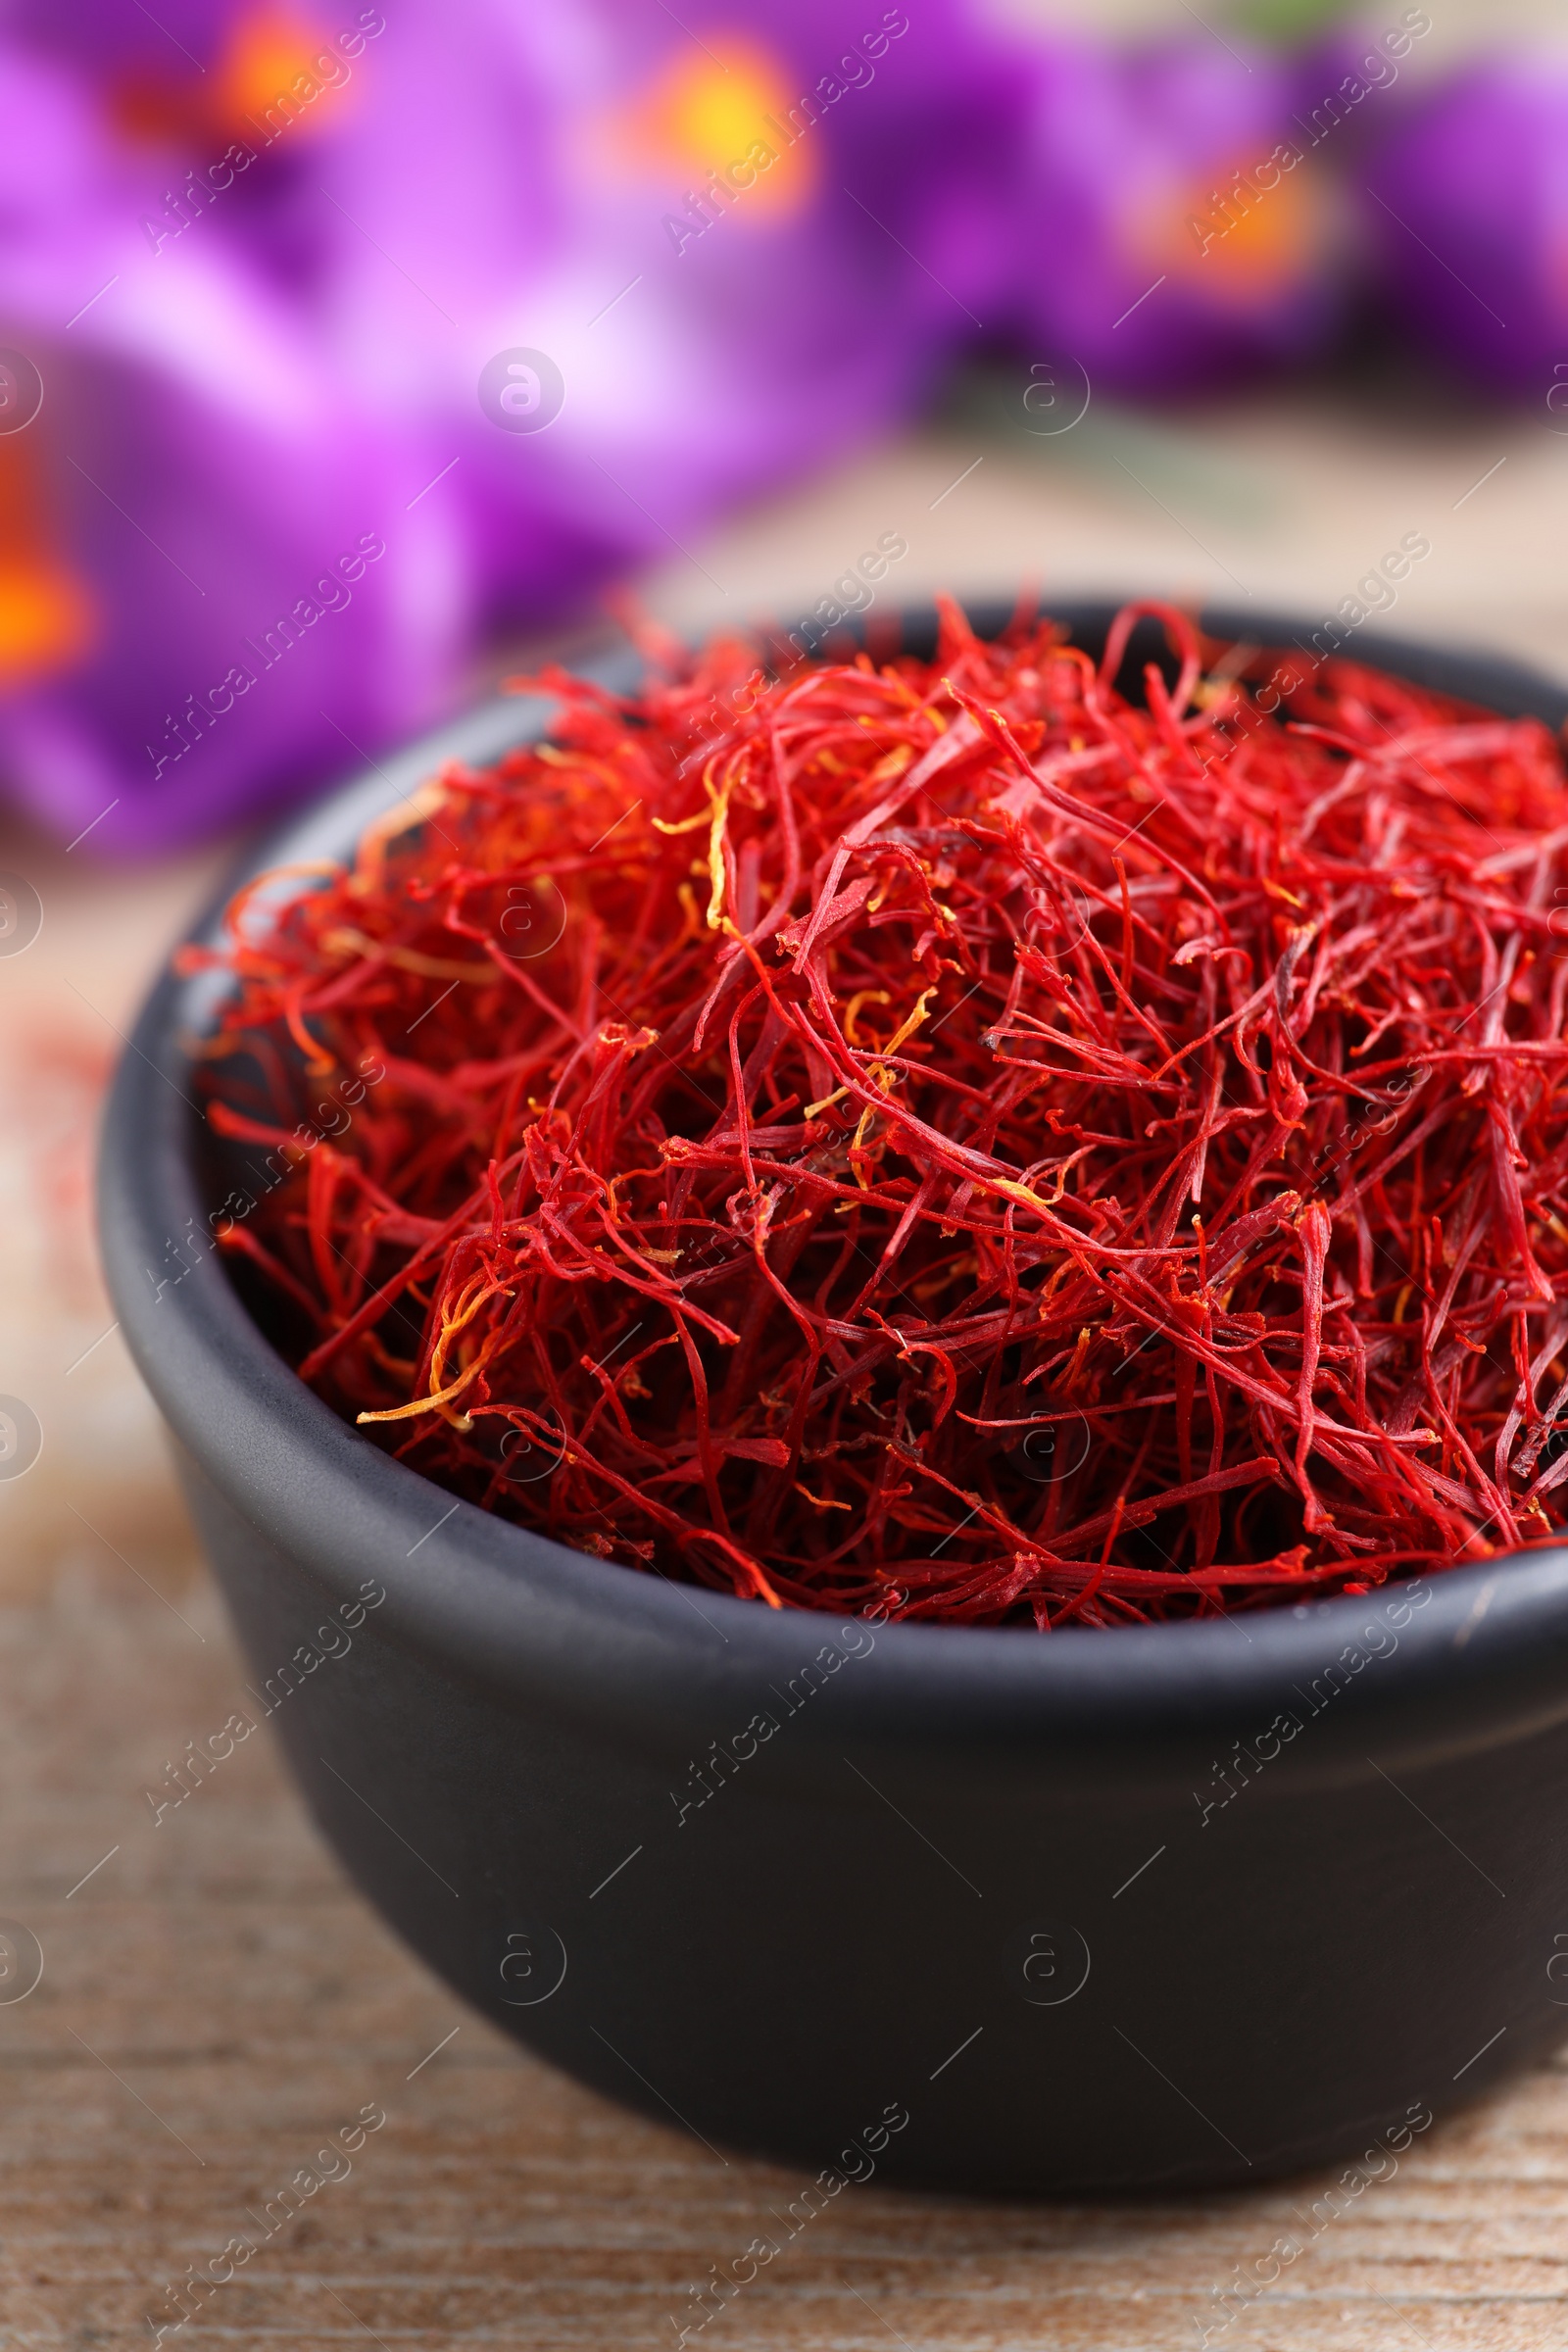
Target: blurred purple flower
[(1174, 234), (263, 267), (263, 612), (745, 239), (1469, 214), (190, 484)]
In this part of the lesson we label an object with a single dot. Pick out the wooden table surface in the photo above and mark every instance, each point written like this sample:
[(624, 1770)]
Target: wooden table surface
[(215, 2001)]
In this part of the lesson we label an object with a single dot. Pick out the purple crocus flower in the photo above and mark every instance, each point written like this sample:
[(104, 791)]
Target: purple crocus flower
[(1468, 214), (273, 509), (744, 240), (260, 609), (195, 620), (215, 593), (1175, 232)]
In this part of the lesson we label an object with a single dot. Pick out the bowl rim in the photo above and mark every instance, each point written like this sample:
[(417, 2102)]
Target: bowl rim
[(1471, 1657)]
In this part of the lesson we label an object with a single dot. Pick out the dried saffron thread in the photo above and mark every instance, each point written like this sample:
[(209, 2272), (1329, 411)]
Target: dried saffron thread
[(945, 1133)]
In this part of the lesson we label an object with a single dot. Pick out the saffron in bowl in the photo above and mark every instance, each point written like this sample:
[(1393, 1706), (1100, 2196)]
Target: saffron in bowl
[(983, 1139)]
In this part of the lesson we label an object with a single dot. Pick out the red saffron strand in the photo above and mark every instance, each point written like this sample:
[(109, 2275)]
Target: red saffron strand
[(944, 1136)]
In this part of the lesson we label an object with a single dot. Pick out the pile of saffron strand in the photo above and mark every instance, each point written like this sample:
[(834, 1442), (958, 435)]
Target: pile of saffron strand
[(941, 1134)]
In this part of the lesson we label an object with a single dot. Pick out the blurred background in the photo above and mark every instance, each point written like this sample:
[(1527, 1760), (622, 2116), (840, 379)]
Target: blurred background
[(352, 354)]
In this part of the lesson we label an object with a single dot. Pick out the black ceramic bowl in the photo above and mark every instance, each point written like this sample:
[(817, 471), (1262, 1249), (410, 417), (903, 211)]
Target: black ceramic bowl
[(1122, 1910)]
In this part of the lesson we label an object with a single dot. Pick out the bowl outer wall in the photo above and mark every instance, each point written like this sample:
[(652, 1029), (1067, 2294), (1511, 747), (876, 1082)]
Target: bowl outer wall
[(1483, 1660)]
